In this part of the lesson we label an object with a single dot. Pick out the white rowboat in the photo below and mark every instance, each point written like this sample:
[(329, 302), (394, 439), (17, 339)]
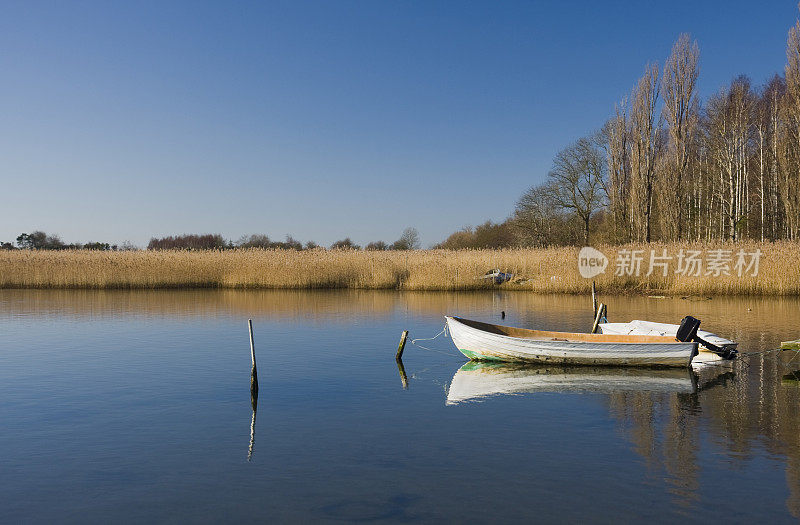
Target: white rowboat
[(490, 342)]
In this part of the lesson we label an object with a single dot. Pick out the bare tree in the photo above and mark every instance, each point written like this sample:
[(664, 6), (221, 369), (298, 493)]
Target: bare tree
[(680, 112), (577, 179), (539, 221), (615, 135), (645, 145), (767, 128), (376, 246), (409, 240), (256, 240), (729, 126), (345, 244), (790, 194)]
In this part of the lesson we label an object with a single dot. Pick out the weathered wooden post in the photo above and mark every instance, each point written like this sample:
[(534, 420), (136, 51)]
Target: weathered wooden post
[(402, 345), (254, 372), (594, 300), (597, 317)]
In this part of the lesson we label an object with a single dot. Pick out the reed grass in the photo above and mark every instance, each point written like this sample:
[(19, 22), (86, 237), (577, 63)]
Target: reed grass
[(552, 270)]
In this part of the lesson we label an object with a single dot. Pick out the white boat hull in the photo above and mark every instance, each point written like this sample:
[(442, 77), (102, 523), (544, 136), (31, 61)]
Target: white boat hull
[(487, 342)]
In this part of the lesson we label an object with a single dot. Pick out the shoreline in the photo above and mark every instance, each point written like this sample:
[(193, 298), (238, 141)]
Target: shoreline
[(540, 271), (649, 294)]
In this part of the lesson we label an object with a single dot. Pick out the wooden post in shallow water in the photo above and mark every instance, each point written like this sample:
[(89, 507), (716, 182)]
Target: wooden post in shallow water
[(597, 317), (402, 345), (594, 300), (254, 372)]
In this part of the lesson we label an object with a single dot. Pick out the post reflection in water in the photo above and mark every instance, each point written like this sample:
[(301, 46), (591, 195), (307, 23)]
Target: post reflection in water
[(254, 407), (403, 377)]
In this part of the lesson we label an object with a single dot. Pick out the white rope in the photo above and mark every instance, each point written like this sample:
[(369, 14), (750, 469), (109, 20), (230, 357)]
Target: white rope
[(796, 353), (759, 352), (444, 331), (744, 358)]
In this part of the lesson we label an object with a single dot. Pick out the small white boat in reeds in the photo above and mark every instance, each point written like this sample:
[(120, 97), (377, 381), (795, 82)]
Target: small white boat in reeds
[(489, 342)]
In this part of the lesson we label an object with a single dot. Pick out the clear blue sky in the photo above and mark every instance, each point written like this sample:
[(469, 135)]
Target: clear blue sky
[(126, 120)]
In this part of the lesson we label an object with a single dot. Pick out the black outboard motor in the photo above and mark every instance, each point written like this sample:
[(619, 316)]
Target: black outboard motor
[(687, 331)]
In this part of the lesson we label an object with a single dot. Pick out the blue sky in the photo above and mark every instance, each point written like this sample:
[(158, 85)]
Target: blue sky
[(126, 120)]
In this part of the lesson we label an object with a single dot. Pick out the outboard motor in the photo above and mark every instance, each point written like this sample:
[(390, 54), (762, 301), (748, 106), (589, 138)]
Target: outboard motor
[(687, 331)]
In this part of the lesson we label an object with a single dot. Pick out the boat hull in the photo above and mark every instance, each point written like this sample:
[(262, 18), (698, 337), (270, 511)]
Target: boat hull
[(485, 342)]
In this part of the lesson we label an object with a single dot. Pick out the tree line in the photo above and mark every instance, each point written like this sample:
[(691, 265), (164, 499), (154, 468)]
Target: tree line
[(39, 240), (668, 166), (409, 240), (723, 170)]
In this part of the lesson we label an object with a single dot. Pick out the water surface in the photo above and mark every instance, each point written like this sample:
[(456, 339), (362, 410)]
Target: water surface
[(135, 406)]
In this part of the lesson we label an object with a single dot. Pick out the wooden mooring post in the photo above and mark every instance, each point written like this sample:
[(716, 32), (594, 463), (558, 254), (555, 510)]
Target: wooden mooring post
[(402, 345), (594, 299), (254, 372), (599, 315)]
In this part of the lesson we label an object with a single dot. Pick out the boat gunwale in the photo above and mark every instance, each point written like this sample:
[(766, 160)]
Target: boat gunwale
[(545, 336)]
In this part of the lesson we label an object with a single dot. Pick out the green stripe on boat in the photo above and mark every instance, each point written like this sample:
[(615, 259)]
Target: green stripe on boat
[(477, 356)]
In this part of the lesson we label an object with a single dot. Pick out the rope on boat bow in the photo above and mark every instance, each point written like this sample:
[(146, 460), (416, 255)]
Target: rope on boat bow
[(446, 334)]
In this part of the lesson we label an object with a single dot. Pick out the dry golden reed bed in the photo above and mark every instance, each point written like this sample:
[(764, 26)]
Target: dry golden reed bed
[(552, 270)]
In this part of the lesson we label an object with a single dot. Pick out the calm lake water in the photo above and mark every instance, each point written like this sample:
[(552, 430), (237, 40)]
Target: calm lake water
[(135, 407)]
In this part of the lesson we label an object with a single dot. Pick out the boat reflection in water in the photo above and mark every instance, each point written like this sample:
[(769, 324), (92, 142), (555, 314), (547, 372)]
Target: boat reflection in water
[(477, 380)]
